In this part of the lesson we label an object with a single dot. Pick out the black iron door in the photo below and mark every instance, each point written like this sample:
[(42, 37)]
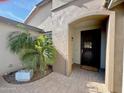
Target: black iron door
[(90, 48)]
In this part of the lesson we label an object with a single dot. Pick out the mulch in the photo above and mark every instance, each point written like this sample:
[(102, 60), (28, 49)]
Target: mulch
[(10, 78)]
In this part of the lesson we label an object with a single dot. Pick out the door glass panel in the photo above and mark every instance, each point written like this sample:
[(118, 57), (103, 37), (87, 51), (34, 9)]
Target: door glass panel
[(87, 44)]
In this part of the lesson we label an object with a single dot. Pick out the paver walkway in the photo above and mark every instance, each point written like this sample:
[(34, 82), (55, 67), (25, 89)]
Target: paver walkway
[(81, 81)]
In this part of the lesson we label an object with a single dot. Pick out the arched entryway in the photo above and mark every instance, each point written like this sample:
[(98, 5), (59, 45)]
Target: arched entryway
[(86, 26)]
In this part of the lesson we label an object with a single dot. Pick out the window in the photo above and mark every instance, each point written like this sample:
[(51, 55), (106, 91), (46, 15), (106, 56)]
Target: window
[(87, 44)]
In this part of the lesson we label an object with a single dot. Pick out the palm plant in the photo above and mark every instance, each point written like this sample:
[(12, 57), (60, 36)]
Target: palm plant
[(19, 41), (40, 55), (36, 53)]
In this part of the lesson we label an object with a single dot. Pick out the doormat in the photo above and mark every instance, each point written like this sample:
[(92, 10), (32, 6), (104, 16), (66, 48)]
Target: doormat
[(89, 68)]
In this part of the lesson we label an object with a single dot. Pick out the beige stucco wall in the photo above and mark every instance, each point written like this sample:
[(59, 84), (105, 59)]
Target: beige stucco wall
[(75, 46), (59, 3), (8, 61), (123, 74), (41, 17), (109, 75), (119, 44)]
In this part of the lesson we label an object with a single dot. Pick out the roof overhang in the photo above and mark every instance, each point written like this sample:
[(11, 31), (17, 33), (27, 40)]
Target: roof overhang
[(43, 3), (113, 3), (15, 23)]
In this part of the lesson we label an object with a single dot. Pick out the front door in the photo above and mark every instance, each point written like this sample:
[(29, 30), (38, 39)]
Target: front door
[(90, 48)]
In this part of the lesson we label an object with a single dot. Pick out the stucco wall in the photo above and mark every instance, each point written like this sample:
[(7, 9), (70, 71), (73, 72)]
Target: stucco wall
[(41, 17), (110, 46), (76, 46), (119, 44), (59, 3), (123, 74), (8, 61)]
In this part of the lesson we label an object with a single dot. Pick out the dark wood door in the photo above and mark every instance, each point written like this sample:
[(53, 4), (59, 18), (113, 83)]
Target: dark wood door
[(90, 48)]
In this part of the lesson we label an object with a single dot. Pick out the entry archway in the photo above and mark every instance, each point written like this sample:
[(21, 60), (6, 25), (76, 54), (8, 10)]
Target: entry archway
[(93, 21)]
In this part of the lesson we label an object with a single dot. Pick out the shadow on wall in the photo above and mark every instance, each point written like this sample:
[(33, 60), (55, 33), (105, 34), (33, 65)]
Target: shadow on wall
[(60, 65)]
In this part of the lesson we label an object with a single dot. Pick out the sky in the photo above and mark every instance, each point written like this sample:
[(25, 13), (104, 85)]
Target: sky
[(17, 9)]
